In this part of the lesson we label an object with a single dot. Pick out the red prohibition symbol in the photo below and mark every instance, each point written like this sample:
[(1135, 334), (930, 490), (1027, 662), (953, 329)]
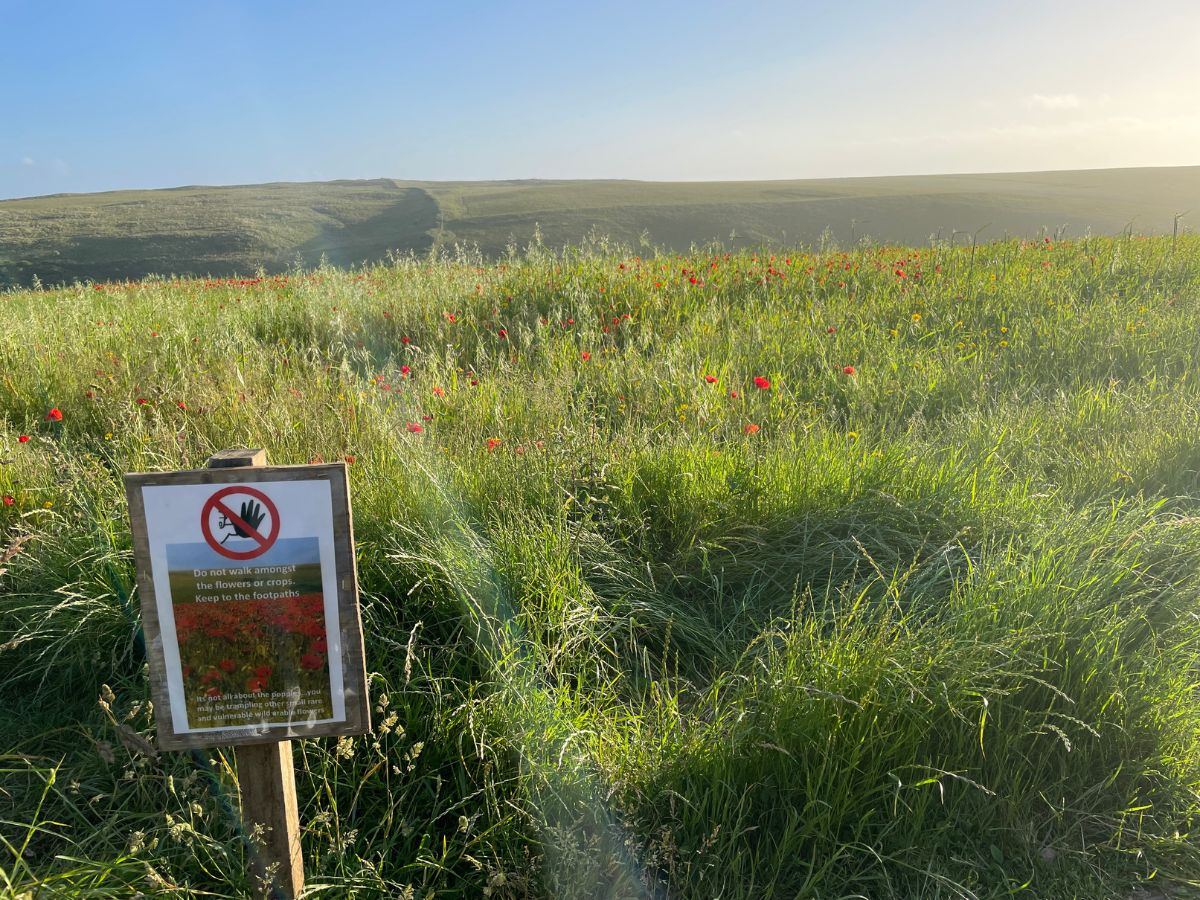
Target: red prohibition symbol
[(228, 519)]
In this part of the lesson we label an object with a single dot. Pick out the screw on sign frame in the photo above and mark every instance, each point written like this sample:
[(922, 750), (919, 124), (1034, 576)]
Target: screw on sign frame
[(241, 526)]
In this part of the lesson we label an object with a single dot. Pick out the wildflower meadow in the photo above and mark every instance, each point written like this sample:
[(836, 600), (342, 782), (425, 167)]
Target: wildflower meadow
[(842, 573)]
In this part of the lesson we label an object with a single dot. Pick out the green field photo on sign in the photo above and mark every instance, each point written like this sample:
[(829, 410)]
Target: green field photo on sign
[(252, 637)]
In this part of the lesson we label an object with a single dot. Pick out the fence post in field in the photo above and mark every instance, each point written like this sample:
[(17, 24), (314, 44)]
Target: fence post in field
[(267, 778)]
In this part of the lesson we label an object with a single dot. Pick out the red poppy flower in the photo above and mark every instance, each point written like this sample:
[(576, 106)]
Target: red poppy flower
[(733, 394), (711, 379), (439, 392), (311, 661), (750, 428), (255, 685), (141, 401), (762, 383), (24, 439), (227, 665), (181, 404), (406, 340), (349, 457), (586, 355), (55, 415), (848, 370), (405, 370), (503, 333), (9, 500), (831, 329), (414, 428), (474, 382), (263, 672), (493, 443), (91, 395)]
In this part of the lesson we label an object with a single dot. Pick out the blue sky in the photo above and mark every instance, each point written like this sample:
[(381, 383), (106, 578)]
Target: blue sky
[(132, 94)]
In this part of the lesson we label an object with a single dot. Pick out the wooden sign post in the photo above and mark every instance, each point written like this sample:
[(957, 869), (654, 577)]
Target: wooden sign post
[(249, 599), (267, 774)]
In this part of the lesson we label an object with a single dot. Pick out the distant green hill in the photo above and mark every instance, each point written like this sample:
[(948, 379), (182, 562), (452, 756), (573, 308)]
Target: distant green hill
[(232, 230)]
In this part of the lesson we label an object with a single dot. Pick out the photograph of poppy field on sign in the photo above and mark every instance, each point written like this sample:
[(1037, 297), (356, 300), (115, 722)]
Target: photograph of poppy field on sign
[(252, 638)]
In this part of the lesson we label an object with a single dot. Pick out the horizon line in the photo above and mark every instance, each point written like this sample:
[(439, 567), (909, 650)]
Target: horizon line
[(596, 180)]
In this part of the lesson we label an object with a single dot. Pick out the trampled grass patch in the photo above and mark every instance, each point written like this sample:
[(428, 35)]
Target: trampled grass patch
[(867, 573)]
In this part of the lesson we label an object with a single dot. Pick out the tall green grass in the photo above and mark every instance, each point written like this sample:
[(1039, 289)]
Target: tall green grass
[(927, 629)]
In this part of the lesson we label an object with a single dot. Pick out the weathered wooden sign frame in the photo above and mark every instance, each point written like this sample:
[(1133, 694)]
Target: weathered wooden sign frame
[(353, 664)]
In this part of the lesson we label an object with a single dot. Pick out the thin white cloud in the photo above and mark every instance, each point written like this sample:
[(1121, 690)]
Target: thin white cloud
[(1180, 125), (1055, 101), (27, 161)]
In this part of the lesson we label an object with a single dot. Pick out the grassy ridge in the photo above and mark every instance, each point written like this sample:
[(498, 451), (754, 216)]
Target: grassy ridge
[(223, 230), (913, 614), (228, 230)]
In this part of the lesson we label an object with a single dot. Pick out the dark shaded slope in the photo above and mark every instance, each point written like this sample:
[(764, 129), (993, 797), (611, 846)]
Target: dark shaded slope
[(202, 231)]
